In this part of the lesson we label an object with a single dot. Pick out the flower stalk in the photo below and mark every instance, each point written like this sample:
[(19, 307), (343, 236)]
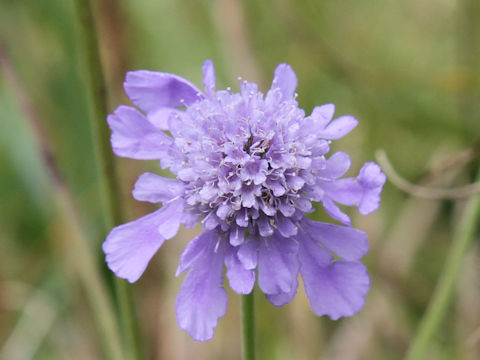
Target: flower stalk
[(104, 158), (248, 326)]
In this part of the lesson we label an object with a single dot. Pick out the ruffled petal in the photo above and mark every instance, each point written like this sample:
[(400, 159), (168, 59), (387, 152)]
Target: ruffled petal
[(160, 116), (150, 90), (248, 253), (334, 211), (195, 249), (277, 265), (362, 191), (345, 191), (371, 179), (240, 279), (285, 226), (336, 166), (322, 115), (202, 300), (285, 79), (335, 289), (129, 247), (170, 218), (155, 188), (283, 298), (209, 80), (339, 127), (346, 242), (135, 137)]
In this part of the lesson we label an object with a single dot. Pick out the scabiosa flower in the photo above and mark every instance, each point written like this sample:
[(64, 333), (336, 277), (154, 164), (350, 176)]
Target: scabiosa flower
[(248, 167)]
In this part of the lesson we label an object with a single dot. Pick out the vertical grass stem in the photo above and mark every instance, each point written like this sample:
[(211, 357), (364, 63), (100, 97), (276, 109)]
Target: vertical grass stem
[(105, 159), (248, 327), (442, 295)]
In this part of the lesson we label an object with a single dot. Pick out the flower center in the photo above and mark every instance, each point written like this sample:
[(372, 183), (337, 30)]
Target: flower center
[(242, 162)]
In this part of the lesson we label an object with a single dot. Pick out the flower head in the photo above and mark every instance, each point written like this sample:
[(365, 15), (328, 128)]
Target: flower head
[(248, 167)]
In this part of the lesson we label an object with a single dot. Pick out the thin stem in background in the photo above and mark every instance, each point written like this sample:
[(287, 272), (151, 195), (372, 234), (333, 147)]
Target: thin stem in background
[(248, 326), (426, 192), (105, 160), (98, 100), (444, 290)]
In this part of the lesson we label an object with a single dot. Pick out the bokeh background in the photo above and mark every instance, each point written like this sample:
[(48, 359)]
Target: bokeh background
[(408, 70)]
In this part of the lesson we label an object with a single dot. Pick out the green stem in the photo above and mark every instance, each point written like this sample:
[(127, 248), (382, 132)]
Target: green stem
[(105, 159), (446, 285), (248, 327), (98, 100)]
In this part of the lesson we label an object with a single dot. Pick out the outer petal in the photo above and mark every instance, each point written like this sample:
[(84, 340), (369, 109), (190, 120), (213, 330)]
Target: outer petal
[(335, 212), (277, 265), (170, 219), (160, 116), (345, 191), (339, 127), (155, 188), (209, 80), (336, 166), (362, 191), (150, 90), (248, 253), (285, 79), (335, 289), (129, 247), (241, 280), (202, 300), (285, 226), (134, 136), (195, 250), (322, 115), (371, 179), (346, 242), (284, 298)]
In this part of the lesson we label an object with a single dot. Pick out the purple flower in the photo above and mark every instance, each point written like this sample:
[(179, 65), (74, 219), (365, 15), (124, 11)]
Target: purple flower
[(248, 167)]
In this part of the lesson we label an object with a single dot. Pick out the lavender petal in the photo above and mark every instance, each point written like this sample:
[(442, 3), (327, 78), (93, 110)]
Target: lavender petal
[(209, 80), (339, 127), (150, 90), (155, 188), (240, 279), (371, 179), (335, 289), (202, 300), (277, 265), (285, 79), (129, 247), (344, 241), (135, 137)]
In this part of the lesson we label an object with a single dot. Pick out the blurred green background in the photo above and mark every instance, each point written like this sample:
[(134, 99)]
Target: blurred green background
[(408, 70)]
